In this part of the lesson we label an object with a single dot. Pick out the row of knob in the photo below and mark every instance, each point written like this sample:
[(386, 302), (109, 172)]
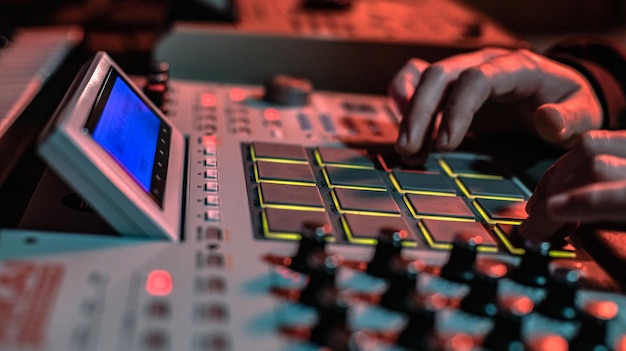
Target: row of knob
[(402, 295)]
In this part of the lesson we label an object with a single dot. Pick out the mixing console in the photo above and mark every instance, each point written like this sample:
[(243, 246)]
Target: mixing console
[(303, 231)]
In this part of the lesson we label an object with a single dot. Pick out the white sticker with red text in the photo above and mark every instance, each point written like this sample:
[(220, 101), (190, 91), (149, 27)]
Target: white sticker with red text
[(28, 291)]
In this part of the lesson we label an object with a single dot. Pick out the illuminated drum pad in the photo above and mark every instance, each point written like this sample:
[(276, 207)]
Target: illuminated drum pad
[(361, 191)]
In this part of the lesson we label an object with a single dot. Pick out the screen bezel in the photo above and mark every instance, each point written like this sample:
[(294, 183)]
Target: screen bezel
[(160, 154), (71, 152)]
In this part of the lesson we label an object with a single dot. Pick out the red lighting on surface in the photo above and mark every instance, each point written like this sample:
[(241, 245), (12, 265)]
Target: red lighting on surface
[(271, 114), (208, 100), (237, 94), (159, 283)]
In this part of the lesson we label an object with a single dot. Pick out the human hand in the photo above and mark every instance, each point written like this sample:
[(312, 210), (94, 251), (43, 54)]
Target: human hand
[(491, 89), (586, 185)]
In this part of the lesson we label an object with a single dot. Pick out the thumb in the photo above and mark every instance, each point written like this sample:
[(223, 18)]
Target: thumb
[(562, 123)]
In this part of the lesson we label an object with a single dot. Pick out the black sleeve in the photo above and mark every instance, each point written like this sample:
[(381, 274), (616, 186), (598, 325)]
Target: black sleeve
[(603, 63)]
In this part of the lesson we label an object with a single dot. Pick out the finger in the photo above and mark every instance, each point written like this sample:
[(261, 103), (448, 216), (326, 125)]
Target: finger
[(429, 94), (603, 142), (470, 92), (540, 190), (562, 123), (540, 225), (403, 84), (597, 156), (423, 108), (513, 75), (591, 203)]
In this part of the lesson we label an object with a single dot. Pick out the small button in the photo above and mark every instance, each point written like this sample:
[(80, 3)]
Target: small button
[(215, 261), (210, 285), (210, 173), (210, 186), (212, 216), (158, 309), (210, 233), (210, 162), (212, 200), (210, 313)]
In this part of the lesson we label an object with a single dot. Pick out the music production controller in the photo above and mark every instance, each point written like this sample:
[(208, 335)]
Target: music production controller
[(303, 231)]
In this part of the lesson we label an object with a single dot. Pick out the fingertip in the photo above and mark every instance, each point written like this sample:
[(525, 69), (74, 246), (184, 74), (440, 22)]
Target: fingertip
[(540, 225), (526, 232), (550, 123), (443, 140)]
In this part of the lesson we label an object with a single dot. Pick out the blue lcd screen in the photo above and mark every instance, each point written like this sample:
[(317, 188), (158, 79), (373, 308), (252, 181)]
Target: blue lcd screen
[(130, 131)]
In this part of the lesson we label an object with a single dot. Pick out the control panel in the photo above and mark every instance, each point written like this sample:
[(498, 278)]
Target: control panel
[(303, 231)]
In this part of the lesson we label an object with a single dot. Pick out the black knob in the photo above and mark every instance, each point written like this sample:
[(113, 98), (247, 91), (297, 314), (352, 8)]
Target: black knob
[(402, 287), (560, 300), (157, 84), (460, 265), (313, 238), (320, 289), (533, 269), (482, 298), (332, 329), (592, 334), (506, 335), (288, 91), (419, 330), (388, 249)]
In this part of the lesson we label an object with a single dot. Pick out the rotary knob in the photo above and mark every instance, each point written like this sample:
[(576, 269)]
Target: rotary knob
[(321, 287), (419, 330), (460, 265), (332, 329), (560, 301), (402, 287), (288, 91), (506, 334), (312, 242), (592, 334), (388, 249), (482, 297), (157, 83), (533, 269)]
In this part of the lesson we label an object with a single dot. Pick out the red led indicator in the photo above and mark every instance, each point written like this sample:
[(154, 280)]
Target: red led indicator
[(208, 100), (159, 283), (237, 94), (209, 140), (271, 114)]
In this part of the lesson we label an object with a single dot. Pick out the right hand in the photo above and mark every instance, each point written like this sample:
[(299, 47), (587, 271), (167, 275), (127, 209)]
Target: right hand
[(586, 185), (491, 89)]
